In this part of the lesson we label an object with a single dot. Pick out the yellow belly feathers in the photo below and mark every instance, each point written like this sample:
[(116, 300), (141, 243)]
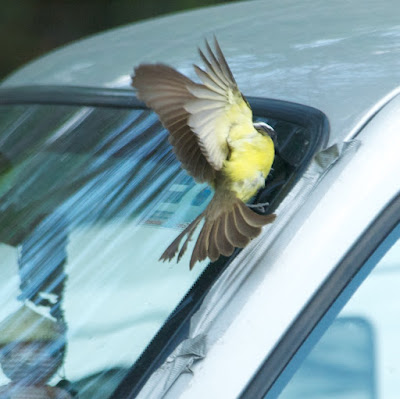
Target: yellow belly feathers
[(249, 162)]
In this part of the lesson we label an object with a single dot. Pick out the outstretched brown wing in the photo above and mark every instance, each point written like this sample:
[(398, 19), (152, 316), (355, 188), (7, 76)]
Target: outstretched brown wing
[(165, 90), (199, 117), (218, 106)]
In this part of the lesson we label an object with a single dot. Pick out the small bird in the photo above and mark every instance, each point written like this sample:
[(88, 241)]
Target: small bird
[(213, 135)]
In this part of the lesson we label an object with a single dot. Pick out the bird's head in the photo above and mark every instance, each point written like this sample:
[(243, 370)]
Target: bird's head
[(265, 130)]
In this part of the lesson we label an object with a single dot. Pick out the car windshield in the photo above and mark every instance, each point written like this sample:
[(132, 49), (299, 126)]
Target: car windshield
[(90, 196)]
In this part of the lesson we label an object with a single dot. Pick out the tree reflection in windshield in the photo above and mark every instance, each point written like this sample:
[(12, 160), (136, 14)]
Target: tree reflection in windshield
[(87, 195)]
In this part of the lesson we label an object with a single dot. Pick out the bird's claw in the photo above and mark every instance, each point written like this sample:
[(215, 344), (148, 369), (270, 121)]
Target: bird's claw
[(260, 206)]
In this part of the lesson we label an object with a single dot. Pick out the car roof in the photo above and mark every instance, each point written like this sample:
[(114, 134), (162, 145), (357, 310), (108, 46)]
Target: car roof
[(344, 60)]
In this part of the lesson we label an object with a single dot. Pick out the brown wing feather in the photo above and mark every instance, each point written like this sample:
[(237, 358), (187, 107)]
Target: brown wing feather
[(243, 226), (213, 251), (203, 108), (224, 245), (200, 250), (222, 61), (171, 251), (165, 90), (235, 237), (254, 219)]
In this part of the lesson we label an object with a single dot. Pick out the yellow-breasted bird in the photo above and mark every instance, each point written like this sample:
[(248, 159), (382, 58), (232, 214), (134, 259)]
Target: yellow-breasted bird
[(213, 136)]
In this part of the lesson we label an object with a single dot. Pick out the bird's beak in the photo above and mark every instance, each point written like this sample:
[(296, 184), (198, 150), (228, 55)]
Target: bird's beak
[(273, 136)]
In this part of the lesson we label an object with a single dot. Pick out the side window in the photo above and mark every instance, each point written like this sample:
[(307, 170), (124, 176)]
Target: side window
[(357, 357)]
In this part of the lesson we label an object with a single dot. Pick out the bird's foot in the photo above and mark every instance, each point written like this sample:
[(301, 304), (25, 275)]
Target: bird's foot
[(261, 207)]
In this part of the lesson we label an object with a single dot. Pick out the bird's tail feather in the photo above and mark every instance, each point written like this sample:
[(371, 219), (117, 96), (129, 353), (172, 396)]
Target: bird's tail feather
[(229, 223), (171, 251), (227, 228)]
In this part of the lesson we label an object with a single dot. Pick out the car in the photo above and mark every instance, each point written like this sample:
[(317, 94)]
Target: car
[(91, 194)]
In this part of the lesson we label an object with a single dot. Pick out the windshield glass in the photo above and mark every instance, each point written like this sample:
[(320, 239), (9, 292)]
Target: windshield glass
[(88, 200), (90, 196)]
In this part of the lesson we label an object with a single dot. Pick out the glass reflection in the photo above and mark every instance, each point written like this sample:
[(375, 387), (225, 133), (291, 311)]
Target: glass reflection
[(88, 200)]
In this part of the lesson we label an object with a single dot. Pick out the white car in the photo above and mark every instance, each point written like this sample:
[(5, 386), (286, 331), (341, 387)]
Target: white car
[(91, 194)]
